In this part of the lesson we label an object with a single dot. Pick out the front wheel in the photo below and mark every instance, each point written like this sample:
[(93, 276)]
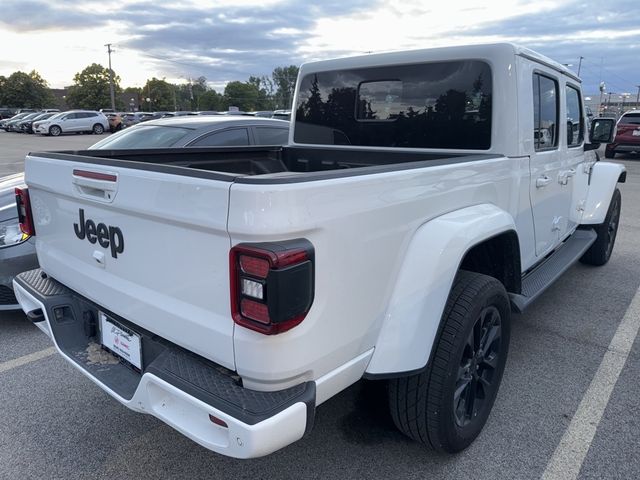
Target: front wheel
[(55, 131), (98, 129), (600, 251), (609, 154), (446, 406)]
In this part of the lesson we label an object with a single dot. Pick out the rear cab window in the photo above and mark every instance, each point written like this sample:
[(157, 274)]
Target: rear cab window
[(545, 112), (443, 105)]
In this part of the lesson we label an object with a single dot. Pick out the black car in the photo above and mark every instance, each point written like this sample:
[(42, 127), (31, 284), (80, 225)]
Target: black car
[(26, 125), (9, 124)]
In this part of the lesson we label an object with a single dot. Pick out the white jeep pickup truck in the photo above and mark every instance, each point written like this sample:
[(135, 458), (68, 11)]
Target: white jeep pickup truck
[(423, 196)]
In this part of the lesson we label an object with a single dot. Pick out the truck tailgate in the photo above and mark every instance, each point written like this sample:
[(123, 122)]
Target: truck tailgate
[(149, 246)]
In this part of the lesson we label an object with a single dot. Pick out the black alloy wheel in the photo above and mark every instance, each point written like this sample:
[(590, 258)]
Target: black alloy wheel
[(477, 371)]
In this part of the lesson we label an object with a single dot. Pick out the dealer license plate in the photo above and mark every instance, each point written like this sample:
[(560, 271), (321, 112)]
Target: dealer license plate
[(121, 341), (636, 133)]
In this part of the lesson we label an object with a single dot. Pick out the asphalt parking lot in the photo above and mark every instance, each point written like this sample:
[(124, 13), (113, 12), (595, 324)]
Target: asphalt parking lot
[(55, 423)]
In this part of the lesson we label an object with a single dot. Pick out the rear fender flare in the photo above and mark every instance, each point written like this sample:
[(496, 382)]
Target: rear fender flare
[(604, 179), (423, 284)]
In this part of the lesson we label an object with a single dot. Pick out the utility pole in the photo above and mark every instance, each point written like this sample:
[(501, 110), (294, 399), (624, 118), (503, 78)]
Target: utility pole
[(580, 65), (638, 97), (111, 90)]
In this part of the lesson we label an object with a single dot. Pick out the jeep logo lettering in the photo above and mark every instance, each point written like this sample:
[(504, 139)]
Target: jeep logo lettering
[(106, 236)]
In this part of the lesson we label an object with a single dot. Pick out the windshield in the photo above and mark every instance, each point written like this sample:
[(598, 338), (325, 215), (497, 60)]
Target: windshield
[(146, 136)]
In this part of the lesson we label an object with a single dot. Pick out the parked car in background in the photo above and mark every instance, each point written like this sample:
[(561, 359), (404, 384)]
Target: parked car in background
[(146, 116), (115, 121), (282, 114), (4, 124), (132, 118), (15, 125), (17, 251), (199, 131), (177, 114), (627, 135), (6, 113), (262, 113), (26, 124), (74, 121)]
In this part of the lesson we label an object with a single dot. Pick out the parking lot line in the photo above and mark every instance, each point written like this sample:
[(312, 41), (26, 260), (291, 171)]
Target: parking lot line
[(567, 460), (32, 357)]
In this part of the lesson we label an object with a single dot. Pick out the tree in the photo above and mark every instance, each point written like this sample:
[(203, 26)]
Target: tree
[(90, 88), (25, 90), (211, 100), (284, 79), (159, 95), (243, 95), (264, 87)]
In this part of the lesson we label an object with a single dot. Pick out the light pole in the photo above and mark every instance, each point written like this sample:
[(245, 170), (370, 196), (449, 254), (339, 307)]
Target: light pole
[(580, 65), (602, 88), (111, 90), (638, 97)]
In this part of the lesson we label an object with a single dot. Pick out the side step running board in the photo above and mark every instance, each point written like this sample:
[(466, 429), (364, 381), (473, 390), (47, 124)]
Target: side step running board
[(538, 280)]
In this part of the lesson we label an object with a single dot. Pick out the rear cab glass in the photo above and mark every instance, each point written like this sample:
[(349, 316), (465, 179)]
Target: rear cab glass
[(444, 105)]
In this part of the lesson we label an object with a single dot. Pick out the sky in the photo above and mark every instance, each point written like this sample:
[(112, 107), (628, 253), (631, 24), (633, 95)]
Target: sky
[(227, 40)]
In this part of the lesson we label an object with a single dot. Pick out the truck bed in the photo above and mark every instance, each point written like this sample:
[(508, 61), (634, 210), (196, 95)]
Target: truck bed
[(264, 164)]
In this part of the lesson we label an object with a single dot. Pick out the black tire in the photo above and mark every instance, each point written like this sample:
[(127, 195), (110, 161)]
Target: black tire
[(600, 251), (609, 153), (55, 130), (98, 129), (428, 407)]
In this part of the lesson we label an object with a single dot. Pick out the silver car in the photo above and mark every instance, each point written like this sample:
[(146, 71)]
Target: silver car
[(73, 121), (17, 251)]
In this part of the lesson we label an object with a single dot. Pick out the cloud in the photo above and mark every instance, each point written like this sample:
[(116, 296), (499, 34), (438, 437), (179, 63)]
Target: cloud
[(226, 40), (38, 15), (230, 43), (608, 39)]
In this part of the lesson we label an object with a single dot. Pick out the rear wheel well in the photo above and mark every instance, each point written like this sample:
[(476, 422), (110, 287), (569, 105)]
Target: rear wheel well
[(498, 257)]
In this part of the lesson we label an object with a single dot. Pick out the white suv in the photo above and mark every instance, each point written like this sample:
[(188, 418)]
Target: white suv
[(73, 121)]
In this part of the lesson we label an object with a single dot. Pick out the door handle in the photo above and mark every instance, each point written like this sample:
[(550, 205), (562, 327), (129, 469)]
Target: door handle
[(564, 177), (542, 181)]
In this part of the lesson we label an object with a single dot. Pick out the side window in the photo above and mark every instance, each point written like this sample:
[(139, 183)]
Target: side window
[(271, 136), (545, 112), (236, 136), (575, 129)]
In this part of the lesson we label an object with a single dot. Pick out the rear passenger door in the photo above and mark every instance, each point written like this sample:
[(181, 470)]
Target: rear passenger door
[(550, 218)]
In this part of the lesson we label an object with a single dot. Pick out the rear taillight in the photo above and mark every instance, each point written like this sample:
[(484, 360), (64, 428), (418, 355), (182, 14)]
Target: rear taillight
[(25, 216), (272, 284)]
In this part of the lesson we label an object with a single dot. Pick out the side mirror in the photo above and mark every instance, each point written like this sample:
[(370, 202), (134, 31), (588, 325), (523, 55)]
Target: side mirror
[(603, 130)]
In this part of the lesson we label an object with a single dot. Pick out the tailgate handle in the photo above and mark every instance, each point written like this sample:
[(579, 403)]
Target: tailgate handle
[(96, 185)]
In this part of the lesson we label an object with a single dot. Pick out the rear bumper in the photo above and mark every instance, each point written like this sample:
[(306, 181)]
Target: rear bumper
[(176, 386), (624, 147)]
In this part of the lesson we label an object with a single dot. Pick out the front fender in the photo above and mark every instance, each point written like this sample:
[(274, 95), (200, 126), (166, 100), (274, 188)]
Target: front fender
[(604, 178), (429, 267)]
